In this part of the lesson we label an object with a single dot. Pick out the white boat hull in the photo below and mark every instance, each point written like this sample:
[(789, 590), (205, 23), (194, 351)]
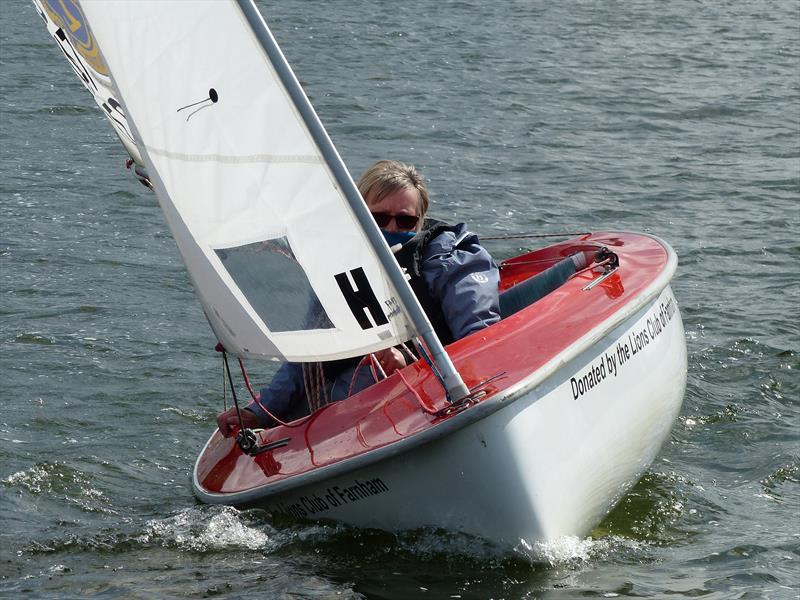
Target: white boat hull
[(551, 462)]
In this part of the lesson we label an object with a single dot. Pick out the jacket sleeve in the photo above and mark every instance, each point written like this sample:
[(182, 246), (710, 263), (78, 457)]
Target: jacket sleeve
[(462, 276), (282, 394)]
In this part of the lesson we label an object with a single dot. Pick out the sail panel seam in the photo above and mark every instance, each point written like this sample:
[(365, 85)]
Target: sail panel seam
[(234, 159)]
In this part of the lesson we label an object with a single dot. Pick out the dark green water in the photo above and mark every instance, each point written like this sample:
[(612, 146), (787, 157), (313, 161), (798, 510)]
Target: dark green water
[(681, 119)]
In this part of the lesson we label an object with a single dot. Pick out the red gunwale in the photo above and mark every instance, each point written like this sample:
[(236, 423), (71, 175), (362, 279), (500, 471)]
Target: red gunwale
[(402, 405)]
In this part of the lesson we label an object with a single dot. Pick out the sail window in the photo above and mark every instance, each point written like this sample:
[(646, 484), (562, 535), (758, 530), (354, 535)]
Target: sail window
[(275, 285)]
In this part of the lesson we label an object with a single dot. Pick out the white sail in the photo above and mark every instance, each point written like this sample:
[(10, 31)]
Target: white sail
[(279, 259), (65, 23)]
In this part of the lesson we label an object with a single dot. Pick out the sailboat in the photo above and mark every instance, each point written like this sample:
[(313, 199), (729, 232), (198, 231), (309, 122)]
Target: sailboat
[(529, 430)]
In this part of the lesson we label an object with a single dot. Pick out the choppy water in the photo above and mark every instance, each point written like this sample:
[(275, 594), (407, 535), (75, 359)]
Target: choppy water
[(680, 118)]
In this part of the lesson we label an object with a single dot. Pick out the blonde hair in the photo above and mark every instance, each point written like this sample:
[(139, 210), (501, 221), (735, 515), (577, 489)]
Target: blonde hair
[(388, 176)]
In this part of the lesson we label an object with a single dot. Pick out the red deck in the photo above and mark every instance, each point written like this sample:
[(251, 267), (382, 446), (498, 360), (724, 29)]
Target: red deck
[(391, 410)]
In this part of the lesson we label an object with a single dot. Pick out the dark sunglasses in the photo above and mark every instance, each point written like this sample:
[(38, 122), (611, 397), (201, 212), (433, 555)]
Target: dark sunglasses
[(403, 221)]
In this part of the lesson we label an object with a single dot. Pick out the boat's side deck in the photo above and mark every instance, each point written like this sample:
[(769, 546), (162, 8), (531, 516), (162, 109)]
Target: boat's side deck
[(407, 403)]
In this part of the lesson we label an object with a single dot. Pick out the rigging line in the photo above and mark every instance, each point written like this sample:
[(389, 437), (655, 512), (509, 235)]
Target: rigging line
[(233, 391), (376, 366), (269, 413), (224, 390), (319, 384), (515, 236), (515, 263), (310, 385), (361, 363), (258, 402), (324, 384), (246, 379), (252, 393), (538, 261), (435, 370), (323, 388), (310, 382)]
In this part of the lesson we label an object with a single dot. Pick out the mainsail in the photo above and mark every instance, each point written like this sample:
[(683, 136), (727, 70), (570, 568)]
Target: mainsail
[(281, 249)]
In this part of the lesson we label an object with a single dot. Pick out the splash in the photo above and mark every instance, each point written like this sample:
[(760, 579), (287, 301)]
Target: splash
[(35, 480), (568, 549), (196, 416), (437, 543), (59, 569), (206, 529), (572, 551), (58, 479)]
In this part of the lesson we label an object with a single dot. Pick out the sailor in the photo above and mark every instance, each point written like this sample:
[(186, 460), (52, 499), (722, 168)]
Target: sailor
[(452, 275)]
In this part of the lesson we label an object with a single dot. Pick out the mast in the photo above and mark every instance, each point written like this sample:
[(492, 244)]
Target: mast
[(453, 382)]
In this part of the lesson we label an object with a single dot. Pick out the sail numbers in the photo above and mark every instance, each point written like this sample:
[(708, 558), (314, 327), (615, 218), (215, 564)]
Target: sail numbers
[(360, 298)]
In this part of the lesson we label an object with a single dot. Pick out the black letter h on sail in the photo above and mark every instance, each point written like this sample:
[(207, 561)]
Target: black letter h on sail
[(361, 299)]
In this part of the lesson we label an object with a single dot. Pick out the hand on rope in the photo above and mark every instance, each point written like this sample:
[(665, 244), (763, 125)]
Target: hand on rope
[(391, 359), (228, 421)]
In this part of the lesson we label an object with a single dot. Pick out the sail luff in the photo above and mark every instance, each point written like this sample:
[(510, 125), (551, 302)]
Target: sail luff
[(452, 379)]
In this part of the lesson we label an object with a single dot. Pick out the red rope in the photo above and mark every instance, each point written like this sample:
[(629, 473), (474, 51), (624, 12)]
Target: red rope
[(264, 408), (360, 364)]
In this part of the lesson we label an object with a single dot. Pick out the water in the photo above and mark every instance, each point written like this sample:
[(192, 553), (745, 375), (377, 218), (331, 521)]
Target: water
[(681, 119)]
